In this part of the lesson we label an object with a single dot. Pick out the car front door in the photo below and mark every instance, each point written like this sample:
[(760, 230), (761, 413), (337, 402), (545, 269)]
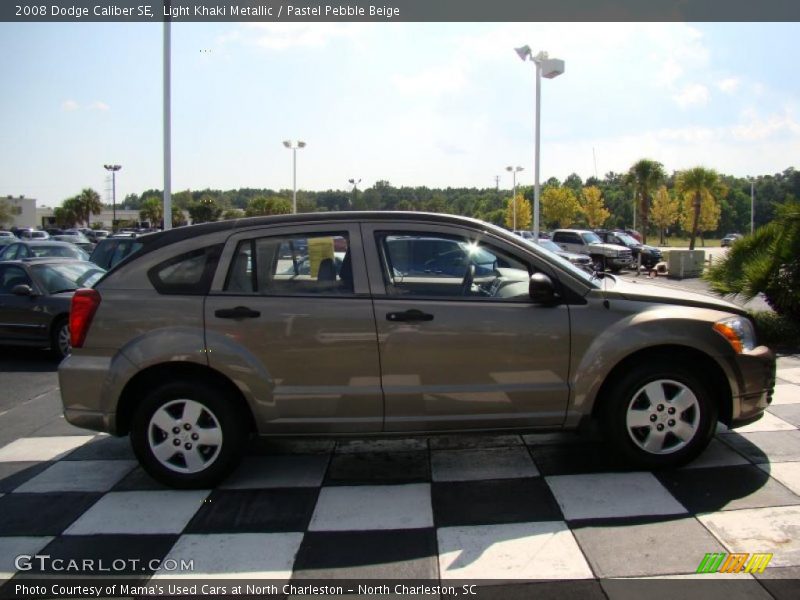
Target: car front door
[(22, 318), (292, 304), (467, 349)]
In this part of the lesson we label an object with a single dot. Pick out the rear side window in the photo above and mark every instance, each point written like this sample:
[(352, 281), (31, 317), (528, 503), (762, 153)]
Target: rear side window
[(189, 273)]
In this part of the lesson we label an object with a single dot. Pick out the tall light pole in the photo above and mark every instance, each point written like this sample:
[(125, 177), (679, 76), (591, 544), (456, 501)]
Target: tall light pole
[(167, 218), (113, 169), (294, 145), (354, 182), (549, 68), (514, 172)]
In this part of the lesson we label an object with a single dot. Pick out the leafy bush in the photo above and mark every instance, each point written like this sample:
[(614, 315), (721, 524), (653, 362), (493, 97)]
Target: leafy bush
[(766, 262), (776, 331)]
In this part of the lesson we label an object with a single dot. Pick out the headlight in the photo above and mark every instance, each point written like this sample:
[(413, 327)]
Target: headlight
[(738, 331)]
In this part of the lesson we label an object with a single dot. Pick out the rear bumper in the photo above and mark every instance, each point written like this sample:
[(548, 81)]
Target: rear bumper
[(756, 370)]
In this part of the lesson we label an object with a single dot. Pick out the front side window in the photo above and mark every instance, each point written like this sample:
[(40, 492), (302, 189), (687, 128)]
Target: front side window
[(11, 276), (444, 266), (297, 265)]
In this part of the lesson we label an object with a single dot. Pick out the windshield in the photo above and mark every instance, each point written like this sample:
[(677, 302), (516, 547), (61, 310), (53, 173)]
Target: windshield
[(626, 239), (67, 276), (550, 245)]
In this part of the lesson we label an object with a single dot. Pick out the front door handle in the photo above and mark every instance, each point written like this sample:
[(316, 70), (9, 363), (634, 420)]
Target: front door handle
[(409, 315), (240, 312)]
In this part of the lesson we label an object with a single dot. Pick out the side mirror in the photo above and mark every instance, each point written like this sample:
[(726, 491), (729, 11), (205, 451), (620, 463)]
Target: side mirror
[(542, 290), (23, 289)]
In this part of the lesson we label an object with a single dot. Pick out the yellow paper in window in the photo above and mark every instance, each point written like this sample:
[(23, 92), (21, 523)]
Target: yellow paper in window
[(318, 250)]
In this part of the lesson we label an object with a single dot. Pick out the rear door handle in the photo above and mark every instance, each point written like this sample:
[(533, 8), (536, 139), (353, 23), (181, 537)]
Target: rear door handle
[(240, 312), (409, 315)]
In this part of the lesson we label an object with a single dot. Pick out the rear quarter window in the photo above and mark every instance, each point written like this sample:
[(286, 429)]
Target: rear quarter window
[(189, 273)]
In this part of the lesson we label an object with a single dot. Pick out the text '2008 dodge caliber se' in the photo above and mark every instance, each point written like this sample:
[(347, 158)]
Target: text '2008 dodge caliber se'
[(331, 324)]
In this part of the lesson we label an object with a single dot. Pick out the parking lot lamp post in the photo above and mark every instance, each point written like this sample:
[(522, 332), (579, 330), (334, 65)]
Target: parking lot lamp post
[(549, 68), (113, 169), (294, 145), (514, 172), (354, 182)]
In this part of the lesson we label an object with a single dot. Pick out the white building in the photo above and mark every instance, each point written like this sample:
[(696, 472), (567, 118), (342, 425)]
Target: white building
[(23, 212)]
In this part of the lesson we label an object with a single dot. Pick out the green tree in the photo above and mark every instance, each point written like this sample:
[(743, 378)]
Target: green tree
[(524, 214), (88, 203), (205, 209), (699, 187), (593, 207), (261, 205), (152, 211), (178, 216), (766, 262), (645, 176), (5, 212), (560, 206), (69, 213), (665, 211)]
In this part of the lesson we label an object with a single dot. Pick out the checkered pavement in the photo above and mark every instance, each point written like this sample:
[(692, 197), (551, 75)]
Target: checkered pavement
[(507, 507)]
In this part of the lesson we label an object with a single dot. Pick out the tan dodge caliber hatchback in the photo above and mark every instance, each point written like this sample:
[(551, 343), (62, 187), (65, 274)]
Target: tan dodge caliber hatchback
[(393, 323)]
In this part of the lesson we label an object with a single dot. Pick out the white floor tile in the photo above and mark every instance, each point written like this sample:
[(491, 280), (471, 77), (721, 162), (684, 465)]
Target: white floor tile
[(786, 393), (279, 472), (485, 463), (365, 507), (151, 512), (545, 550), (12, 547), (767, 422), (235, 556), (717, 455), (41, 448), (775, 530), (788, 473), (79, 476), (792, 375), (607, 495)]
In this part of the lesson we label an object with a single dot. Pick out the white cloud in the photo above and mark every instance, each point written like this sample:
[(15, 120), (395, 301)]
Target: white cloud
[(729, 85), (432, 82), (757, 128), (69, 105), (98, 105), (670, 73), (693, 94), (281, 36)]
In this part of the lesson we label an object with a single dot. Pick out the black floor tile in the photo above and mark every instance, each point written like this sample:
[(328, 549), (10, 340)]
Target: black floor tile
[(575, 459), (14, 474), (391, 554), (138, 481), (725, 488), (42, 514), (111, 555), (493, 502), (104, 448), (255, 511), (379, 468)]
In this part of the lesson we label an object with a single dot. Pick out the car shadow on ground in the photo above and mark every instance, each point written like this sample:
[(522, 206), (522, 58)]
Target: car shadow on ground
[(27, 360)]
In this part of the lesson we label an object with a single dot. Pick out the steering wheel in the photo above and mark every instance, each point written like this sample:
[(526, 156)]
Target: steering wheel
[(469, 277)]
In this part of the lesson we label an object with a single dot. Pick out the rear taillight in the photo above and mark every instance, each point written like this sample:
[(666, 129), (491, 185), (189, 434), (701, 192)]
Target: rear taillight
[(84, 305)]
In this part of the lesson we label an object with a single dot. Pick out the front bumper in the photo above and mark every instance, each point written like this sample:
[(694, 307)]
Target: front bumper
[(756, 373), (619, 261)]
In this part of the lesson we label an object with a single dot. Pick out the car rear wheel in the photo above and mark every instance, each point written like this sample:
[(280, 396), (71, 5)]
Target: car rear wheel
[(660, 416), (59, 339), (188, 435)]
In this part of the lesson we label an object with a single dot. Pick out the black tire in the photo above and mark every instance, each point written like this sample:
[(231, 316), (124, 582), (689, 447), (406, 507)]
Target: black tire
[(218, 416), (599, 263), (685, 432), (58, 348)]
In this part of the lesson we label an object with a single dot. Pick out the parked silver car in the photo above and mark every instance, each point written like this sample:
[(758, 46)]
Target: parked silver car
[(207, 335)]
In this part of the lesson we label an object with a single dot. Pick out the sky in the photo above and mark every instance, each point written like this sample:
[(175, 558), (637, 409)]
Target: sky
[(434, 104)]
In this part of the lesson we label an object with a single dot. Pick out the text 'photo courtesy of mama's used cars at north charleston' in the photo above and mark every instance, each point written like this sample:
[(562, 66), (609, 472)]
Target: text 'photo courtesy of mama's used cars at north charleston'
[(393, 323)]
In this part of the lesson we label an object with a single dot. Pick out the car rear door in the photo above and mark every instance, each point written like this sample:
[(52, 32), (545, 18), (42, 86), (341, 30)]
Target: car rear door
[(290, 312), (459, 354)]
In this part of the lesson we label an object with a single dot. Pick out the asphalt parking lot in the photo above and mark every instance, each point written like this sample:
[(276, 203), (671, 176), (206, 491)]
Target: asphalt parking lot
[(499, 509)]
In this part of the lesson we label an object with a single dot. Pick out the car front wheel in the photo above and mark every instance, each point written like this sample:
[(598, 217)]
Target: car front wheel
[(188, 435), (660, 416)]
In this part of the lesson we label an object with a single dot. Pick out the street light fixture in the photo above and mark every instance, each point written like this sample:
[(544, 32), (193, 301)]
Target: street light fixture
[(113, 169), (294, 145), (549, 68), (354, 182), (514, 172)]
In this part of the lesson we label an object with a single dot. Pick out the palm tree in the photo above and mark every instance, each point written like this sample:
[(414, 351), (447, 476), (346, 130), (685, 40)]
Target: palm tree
[(151, 211), (646, 176), (700, 183), (88, 203)]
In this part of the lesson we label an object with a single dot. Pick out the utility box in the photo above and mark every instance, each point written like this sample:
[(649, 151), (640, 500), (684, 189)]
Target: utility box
[(682, 264)]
